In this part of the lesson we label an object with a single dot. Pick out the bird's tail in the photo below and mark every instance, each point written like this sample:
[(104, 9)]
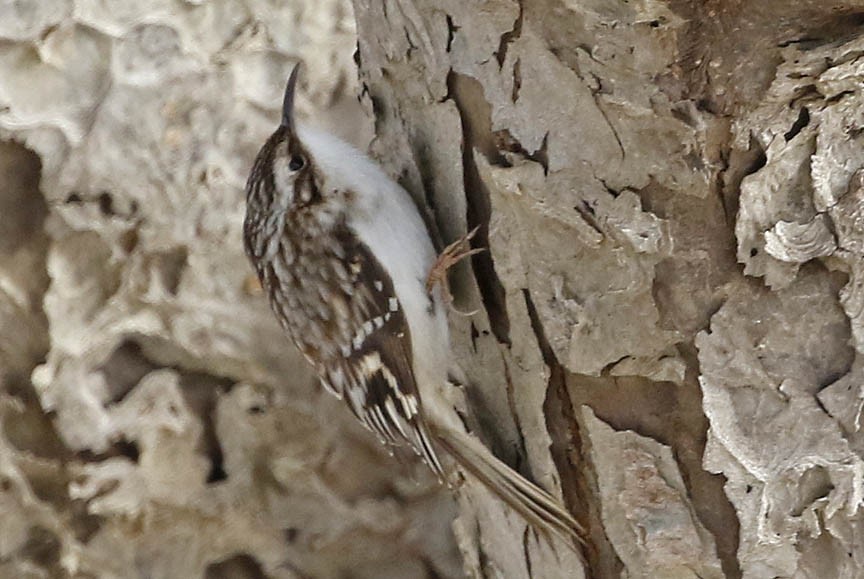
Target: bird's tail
[(539, 508)]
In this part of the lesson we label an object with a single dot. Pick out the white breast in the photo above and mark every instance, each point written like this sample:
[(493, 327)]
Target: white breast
[(387, 221)]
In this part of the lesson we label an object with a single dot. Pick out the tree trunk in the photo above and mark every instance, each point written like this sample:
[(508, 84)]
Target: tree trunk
[(669, 312), (667, 319)]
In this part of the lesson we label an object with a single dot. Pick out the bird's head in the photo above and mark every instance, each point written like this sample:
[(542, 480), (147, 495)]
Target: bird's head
[(284, 177), (283, 174)]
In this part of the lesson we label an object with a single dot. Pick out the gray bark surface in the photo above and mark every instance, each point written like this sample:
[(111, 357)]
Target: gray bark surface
[(155, 421), (668, 318), (669, 314)]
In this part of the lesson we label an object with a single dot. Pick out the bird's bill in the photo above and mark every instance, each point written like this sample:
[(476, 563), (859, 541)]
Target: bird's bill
[(288, 101)]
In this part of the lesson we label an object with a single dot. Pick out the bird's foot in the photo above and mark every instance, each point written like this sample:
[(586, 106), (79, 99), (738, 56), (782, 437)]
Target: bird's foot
[(452, 254)]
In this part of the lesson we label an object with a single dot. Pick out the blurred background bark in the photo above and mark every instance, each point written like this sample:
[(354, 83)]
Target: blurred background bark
[(668, 320)]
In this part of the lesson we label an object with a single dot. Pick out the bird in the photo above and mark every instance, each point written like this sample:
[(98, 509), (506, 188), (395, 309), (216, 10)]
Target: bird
[(353, 278)]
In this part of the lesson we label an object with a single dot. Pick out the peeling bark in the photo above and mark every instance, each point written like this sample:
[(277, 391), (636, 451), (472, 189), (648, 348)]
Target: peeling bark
[(621, 160), (669, 314)]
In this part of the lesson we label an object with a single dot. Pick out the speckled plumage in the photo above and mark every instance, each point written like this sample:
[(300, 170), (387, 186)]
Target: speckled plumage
[(335, 301), (344, 257)]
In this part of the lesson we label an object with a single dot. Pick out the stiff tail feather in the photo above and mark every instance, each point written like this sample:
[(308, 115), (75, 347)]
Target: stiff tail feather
[(538, 507)]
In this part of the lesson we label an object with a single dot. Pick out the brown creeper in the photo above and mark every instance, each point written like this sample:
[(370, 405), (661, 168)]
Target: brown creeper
[(345, 259)]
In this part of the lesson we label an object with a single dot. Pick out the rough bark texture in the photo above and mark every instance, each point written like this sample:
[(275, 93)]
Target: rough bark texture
[(155, 422), (668, 319), (670, 312)]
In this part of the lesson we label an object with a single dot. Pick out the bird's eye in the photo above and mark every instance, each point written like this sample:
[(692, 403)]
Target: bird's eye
[(296, 163)]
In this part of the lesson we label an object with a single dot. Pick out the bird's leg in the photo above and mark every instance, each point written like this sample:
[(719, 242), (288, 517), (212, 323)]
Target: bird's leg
[(452, 254)]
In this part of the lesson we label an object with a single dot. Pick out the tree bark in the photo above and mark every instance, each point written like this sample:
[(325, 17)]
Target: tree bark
[(154, 420), (668, 316)]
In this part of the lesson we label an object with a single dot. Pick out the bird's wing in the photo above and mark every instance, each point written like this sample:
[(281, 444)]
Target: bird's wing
[(374, 372)]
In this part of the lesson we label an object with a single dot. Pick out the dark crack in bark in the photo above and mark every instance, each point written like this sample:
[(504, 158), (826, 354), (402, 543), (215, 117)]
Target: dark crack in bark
[(739, 165), (505, 141), (521, 465), (517, 80), (526, 551), (452, 29), (578, 483), (672, 413), (508, 37), (475, 115)]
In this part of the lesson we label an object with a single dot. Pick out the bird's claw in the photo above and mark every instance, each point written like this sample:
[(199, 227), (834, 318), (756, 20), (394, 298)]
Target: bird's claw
[(452, 254)]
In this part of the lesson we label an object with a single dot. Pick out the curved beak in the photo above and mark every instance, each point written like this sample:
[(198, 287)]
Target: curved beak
[(288, 101)]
